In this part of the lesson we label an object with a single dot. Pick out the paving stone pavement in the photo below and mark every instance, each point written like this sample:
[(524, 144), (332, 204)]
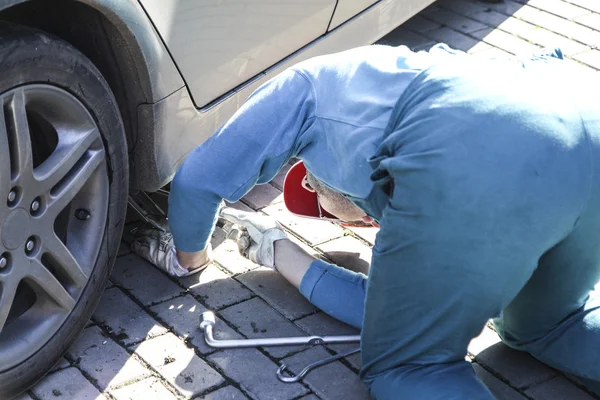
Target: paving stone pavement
[(143, 341)]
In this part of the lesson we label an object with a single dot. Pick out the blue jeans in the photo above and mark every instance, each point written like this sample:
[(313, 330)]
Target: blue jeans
[(493, 176), (341, 293)]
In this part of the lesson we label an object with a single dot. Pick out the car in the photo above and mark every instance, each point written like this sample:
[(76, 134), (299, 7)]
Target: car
[(105, 98)]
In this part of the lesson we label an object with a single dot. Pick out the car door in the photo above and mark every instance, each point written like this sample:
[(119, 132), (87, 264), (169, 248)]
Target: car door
[(219, 44), (347, 9)]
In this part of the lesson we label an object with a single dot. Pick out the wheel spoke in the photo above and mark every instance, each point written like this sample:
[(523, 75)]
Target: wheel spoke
[(63, 260), (45, 282), (76, 178), (4, 158), (71, 148), (9, 289), (17, 128)]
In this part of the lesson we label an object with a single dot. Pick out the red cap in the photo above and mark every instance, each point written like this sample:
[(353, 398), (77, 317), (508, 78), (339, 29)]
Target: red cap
[(298, 199)]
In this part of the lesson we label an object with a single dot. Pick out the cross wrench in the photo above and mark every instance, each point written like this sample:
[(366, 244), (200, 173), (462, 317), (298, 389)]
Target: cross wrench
[(208, 321), (310, 367)]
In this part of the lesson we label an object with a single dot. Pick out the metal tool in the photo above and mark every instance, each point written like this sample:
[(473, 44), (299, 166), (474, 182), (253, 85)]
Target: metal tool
[(208, 321), (297, 378), (147, 209)]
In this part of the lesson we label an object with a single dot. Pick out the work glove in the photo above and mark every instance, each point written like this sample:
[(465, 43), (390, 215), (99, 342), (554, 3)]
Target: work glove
[(255, 236), (157, 247)]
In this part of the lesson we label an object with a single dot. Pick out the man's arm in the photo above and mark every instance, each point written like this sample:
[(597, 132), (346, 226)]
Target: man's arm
[(249, 149)]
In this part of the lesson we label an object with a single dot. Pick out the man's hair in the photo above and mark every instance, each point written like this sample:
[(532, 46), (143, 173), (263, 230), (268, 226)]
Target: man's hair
[(324, 191)]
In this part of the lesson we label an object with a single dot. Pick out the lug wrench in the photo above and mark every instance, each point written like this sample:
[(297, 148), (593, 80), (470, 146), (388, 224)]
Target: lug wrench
[(207, 323), (310, 367)]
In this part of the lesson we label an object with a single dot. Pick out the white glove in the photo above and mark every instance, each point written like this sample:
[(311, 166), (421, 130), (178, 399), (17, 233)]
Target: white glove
[(257, 235), (157, 248)]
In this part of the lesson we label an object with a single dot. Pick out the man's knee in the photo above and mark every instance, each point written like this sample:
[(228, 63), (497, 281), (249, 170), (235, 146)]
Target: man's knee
[(448, 381)]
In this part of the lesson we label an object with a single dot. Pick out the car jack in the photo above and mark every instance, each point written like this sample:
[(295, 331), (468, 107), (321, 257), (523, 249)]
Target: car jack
[(207, 323), (147, 209)]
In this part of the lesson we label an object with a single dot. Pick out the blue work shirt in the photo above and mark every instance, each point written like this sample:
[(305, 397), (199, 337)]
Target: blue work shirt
[(474, 168), (329, 111)]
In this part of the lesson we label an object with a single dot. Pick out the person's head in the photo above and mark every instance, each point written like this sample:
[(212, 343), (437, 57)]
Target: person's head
[(335, 203)]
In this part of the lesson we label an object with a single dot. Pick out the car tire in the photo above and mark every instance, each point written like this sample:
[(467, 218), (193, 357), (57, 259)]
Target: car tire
[(53, 83)]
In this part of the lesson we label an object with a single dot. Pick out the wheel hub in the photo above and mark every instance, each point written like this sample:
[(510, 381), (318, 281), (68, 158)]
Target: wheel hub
[(52, 162), (16, 229)]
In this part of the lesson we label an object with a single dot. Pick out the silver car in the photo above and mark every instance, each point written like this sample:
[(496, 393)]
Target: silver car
[(103, 98)]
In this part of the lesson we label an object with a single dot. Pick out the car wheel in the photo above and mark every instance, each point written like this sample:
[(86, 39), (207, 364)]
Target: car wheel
[(63, 197)]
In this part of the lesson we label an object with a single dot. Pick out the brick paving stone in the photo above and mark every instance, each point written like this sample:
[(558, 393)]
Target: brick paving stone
[(453, 20), (506, 7), (366, 234), (24, 396), (501, 21), (461, 6), (61, 364), (591, 58), (125, 319), (69, 384), (578, 67), (348, 252), (148, 389), (493, 52), (239, 206), (277, 292), (229, 257), (255, 319), (280, 177), (557, 388), (309, 397), (418, 24), (452, 38), (183, 316), (104, 360), (313, 231), (561, 26), (499, 389), (179, 365), (215, 288), (506, 41), (402, 36), (592, 5), (479, 47), (226, 393), (590, 20), (546, 38), (330, 382), (262, 195), (255, 374), (519, 369), (559, 7), (322, 324), (144, 281), (486, 338)]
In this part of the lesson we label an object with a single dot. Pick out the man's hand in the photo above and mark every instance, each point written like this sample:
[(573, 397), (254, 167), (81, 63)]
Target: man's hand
[(257, 235), (157, 248)]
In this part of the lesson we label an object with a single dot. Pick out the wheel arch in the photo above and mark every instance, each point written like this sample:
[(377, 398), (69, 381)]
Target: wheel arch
[(118, 37)]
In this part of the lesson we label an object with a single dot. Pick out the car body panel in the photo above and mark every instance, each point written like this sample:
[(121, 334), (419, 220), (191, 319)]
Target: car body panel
[(347, 9), (129, 18), (157, 73), (179, 127), (219, 45)]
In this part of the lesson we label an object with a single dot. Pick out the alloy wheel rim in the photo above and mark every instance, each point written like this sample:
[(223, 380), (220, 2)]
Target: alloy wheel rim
[(52, 169)]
